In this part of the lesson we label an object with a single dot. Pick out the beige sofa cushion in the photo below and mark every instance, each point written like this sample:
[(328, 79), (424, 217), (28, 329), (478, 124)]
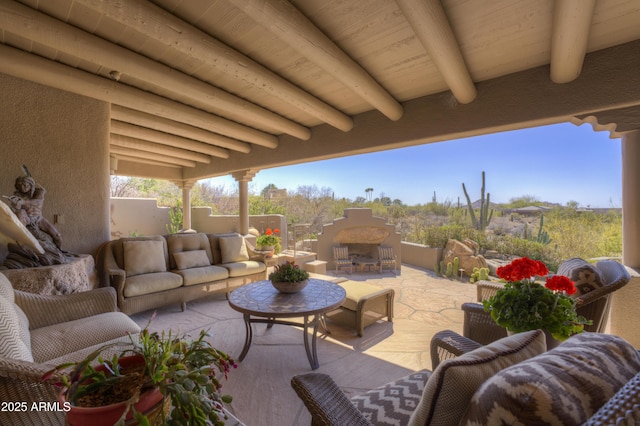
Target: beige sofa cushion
[(447, 394), (143, 257), (564, 386), (191, 259), (56, 340), (201, 275), (233, 249), (178, 243), (139, 285), (241, 269)]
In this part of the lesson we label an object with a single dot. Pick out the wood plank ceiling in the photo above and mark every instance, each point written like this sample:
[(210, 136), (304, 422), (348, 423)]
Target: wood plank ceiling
[(199, 87)]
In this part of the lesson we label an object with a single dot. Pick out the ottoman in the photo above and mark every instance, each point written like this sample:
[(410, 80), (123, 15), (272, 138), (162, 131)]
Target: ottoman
[(367, 303)]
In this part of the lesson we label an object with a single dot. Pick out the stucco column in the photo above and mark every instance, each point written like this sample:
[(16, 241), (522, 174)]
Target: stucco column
[(244, 177), (631, 199), (186, 186)]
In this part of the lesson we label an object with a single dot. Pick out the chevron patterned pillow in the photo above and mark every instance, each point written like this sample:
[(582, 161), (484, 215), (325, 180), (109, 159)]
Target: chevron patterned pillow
[(11, 343)]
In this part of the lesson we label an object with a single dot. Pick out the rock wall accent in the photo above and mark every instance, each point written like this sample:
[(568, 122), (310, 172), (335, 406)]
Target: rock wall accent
[(76, 276), (467, 253)]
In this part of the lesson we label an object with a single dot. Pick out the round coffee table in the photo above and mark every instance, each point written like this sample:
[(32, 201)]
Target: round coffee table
[(260, 302)]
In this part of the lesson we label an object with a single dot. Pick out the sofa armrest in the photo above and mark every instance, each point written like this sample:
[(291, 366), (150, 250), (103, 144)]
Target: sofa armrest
[(44, 310), (326, 402), (116, 275), (448, 344), (622, 409), (255, 254)]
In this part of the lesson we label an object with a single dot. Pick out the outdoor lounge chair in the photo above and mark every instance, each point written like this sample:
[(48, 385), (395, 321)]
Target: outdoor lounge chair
[(594, 305), (341, 258), (387, 258), (514, 380)]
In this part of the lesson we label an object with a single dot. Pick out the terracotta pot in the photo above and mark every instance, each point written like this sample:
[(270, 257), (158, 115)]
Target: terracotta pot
[(150, 403), (289, 287)]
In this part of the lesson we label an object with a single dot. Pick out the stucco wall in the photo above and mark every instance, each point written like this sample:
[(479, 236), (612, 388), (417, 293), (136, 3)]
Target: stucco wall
[(63, 140)]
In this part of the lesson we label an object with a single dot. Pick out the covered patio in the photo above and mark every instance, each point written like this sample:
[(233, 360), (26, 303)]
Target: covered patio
[(424, 305), (184, 91)]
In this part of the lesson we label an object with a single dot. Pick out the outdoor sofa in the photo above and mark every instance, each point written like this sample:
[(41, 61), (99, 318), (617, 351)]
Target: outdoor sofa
[(591, 379), (154, 271), (39, 332)]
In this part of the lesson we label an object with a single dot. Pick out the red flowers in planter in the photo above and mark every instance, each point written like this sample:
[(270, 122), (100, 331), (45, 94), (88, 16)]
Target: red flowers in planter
[(521, 269), (560, 283)]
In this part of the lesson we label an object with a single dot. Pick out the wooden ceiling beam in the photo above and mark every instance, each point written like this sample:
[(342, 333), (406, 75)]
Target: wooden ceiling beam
[(135, 153), (39, 70), (569, 38), (36, 26), (292, 27), (188, 40), (122, 157), (431, 25), (116, 139), (166, 125), (142, 133)]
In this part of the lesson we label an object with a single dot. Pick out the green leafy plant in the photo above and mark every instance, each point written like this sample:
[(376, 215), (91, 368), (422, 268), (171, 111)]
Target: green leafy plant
[(288, 272), (270, 238), (185, 371), (524, 304)]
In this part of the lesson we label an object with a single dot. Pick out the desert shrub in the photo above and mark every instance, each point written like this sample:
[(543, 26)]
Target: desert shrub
[(519, 247), (437, 236)]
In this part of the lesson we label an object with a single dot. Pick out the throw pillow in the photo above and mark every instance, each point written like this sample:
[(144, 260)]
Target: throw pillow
[(586, 276), (6, 289), (566, 385), (233, 249), (11, 333), (144, 257), (451, 386), (191, 259)]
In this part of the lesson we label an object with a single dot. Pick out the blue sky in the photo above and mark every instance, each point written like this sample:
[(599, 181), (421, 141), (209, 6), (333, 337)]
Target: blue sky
[(557, 163)]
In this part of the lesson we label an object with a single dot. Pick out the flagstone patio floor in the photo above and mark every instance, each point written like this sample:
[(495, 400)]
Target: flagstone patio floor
[(260, 386)]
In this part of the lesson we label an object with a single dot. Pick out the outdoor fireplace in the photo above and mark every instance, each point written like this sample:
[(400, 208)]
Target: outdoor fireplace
[(361, 232)]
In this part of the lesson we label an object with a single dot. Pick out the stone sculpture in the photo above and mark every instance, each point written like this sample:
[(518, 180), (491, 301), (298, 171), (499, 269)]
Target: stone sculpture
[(26, 210)]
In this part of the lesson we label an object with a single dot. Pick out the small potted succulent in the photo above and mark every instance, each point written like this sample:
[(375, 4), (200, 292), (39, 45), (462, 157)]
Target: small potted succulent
[(524, 304), (156, 379), (289, 277)]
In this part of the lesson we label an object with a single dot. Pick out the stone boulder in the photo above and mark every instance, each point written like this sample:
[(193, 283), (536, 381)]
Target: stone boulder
[(466, 252)]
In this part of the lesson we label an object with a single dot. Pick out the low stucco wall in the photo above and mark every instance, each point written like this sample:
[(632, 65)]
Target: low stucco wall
[(420, 255), (623, 316)]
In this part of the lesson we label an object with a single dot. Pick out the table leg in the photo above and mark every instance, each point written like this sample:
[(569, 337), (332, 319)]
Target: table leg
[(248, 336), (312, 353)]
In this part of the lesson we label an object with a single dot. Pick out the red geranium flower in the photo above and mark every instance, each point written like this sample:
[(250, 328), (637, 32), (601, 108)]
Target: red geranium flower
[(522, 268), (560, 283), (268, 231)]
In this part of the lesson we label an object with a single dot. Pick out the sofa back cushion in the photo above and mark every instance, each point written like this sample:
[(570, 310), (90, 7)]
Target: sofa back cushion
[(144, 257), (451, 386), (117, 248), (585, 275), (233, 249), (14, 330), (183, 243), (566, 385)]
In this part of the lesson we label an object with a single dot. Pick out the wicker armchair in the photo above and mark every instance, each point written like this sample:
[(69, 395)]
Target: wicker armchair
[(469, 388), (329, 405), (40, 332), (594, 305)]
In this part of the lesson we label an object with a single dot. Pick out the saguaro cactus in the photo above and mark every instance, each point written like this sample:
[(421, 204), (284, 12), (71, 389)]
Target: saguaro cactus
[(485, 215)]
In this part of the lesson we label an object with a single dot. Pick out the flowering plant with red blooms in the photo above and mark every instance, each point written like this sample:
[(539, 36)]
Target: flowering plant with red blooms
[(524, 304), (270, 238)]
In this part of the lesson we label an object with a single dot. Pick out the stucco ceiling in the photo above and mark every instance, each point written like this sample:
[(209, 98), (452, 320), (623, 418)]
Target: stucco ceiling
[(202, 88)]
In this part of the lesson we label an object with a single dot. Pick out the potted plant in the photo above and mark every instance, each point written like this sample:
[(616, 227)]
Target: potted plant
[(289, 278), (524, 304), (156, 379), (269, 240)]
